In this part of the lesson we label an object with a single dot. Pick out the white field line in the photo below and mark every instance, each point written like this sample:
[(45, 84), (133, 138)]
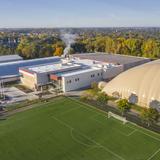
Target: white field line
[(157, 139), (91, 108), (76, 140), (138, 130), (132, 132), (114, 129), (153, 154), (127, 125), (98, 144), (127, 135)]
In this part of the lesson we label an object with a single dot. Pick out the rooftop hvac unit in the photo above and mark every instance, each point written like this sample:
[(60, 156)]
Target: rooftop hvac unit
[(60, 65), (100, 65), (70, 63), (66, 60)]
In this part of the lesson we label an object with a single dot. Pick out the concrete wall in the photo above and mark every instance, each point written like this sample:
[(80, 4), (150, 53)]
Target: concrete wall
[(71, 83), (112, 72)]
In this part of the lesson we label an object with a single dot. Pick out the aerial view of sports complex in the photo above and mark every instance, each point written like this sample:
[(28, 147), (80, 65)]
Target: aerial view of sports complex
[(65, 108), (79, 79)]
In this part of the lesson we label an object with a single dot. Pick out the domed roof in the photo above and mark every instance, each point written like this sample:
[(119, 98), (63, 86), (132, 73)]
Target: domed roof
[(102, 84), (140, 85)]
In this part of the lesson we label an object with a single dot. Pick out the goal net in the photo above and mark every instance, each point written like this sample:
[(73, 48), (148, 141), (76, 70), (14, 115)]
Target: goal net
[(123, 119)]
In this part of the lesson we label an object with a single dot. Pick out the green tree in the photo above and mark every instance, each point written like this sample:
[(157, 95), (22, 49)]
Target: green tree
[(100, 44), (150, 115), (150, 48), (134, 46), (110, 45), (102, 98), (94, 86), (123, 105)]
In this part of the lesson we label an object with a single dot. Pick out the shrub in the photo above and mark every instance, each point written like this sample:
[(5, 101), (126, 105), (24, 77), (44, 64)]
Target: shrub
[(94, 86)]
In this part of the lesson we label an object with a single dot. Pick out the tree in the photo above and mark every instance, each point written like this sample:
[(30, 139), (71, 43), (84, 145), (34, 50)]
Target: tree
[(150, 48), (94, 86), (71, 51), (78, 47), (134, 46), (35, 46), (102, 98), (58, 51), (110, 45), (150, 115), (123, 105), (58, 48), (100, 44)]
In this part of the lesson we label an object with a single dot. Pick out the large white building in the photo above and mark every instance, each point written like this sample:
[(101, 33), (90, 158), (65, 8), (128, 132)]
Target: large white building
[(68, 74), (140, 85)]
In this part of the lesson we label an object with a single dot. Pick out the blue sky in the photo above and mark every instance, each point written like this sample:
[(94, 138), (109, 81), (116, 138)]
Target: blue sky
[(79, 13)]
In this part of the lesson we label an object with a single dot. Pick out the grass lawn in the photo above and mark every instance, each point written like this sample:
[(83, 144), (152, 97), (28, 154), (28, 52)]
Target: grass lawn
[(66, 129)]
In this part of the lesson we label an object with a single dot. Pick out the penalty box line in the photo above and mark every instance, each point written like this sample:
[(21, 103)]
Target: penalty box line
[(101, 112), (155, 153), (98, 144), (127, 135)]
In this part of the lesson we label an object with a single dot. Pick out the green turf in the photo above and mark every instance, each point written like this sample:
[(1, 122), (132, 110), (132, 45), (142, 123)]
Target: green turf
[(66, 129)]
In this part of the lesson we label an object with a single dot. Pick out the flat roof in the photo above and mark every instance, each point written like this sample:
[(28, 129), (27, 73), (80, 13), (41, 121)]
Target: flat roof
[(76, 72), (12, 68), (10, 58), (110, 58), (53, 67)]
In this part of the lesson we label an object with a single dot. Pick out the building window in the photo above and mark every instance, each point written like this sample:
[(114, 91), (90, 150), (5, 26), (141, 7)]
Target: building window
[(69, 81), (77, 79), (98, 74), (92, 75)]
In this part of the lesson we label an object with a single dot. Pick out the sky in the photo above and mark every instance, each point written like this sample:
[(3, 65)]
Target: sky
[(79, 13)]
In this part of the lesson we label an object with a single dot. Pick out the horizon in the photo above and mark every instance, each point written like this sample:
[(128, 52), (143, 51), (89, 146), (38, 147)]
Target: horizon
[(134, 27), (79, 14)]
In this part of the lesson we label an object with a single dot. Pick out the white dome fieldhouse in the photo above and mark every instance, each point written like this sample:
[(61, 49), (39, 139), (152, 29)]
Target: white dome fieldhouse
[(140, 85), (102, 84)]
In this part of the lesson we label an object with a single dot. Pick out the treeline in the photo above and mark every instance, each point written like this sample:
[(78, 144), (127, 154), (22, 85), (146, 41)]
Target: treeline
[(43, 43), (40, 46), (8, 43), (135, 46), (31, 46)]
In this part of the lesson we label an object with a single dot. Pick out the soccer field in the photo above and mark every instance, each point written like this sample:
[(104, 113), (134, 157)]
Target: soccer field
[(67, 129)]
